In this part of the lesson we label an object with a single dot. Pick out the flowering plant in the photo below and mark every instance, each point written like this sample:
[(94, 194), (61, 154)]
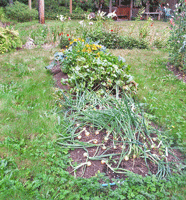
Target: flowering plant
[(89, 65), (177, 38)]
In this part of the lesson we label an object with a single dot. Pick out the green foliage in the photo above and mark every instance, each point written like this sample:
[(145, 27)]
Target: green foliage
[(64, 41), (9, 39), (2, 15), (112, 40), (177, 38), (90, 66), (21, 12)]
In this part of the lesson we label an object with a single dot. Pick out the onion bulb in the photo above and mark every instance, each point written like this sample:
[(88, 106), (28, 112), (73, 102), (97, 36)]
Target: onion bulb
[(79, 137), (87, 133), (126, 158), (106, 139), (134, 156), (97, 132), (103, 162), (95, 141), (85, 154), (104, 147), (89, 163)]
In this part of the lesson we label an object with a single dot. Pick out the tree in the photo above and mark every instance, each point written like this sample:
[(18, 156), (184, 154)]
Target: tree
[(41, 11), (11, 2), (30, 4)]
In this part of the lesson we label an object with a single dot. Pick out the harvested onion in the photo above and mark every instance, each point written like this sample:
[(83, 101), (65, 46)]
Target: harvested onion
[(79, 137), (87, 133), (95, 141), (104, 147), (103, 162), (97, 132), (85, 154), (134, 156), (126, 158), (89, 163)]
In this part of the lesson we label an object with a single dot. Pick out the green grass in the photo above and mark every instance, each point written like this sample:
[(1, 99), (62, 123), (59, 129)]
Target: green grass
[(33, 166), (164, 94)]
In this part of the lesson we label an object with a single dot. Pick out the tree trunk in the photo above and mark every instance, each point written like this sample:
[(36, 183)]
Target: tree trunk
[(11, 2), (110, 6), (131, 7), (70, 6), (30, 4), (41, 12)]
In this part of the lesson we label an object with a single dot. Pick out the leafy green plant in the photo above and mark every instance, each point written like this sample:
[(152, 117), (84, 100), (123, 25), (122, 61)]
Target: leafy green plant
[(64, 40), (177, 38), (9, 39), (21, 12), (90, 66)]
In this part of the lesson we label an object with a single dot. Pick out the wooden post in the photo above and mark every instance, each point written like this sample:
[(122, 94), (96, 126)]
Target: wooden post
[(131, 7), (70, 6), (41, 12), (147, 9), (110, 6), (30, 4)]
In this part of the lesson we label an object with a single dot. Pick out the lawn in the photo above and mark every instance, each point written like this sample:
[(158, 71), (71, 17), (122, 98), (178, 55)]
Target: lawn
[(33, 166)]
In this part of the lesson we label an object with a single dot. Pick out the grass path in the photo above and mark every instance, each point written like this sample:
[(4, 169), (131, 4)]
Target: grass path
[(163, 93)]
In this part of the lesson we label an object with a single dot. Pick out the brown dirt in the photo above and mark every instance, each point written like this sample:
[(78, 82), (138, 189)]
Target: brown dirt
[(136, 165), (179, 74)]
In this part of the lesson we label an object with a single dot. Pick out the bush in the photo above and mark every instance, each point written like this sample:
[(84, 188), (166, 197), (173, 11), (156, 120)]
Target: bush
[(21, 12), (177, 38), (112, 40), (9, 39)]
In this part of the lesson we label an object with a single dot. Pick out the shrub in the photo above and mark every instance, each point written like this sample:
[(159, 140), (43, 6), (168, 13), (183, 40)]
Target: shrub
[(112, 40), (177, 38), (9, 39), (21, 12)]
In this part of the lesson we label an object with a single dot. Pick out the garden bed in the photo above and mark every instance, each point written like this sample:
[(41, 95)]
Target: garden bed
[(136, 164)]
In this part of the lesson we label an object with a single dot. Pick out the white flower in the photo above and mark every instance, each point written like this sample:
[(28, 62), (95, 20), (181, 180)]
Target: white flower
[(101, 14), (81, 22), (167, 4), (112, 14), (61, 18), (90, 23)]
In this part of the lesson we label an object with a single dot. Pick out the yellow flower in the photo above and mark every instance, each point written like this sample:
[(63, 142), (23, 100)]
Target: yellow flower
[(66, 46), (87, 45), (79, 39), (2, 52), (84, 50), (71, 43), (60, 105), (75, 40), (94, 109), (173, 126), (82, 40)]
